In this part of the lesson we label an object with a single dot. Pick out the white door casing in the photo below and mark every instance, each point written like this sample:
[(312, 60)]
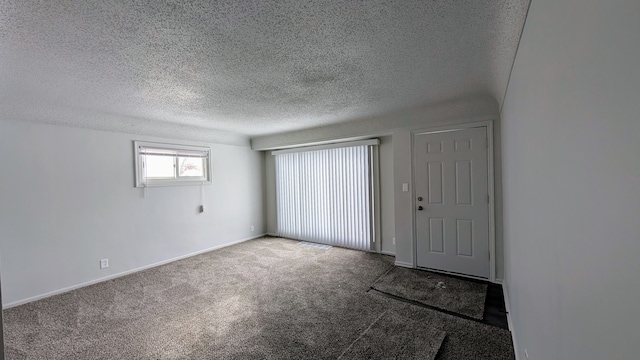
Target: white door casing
[(451, 177)]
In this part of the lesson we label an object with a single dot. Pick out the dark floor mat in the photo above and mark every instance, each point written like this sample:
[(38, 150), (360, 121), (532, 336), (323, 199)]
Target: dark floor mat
[(440, 291)]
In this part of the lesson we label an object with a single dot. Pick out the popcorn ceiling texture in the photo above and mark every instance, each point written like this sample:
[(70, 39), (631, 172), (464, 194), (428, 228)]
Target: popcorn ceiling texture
[(469, 108), (229, 70)]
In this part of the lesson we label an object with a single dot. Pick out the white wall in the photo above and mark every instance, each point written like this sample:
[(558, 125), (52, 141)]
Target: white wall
[(68, 199), (571, 132)]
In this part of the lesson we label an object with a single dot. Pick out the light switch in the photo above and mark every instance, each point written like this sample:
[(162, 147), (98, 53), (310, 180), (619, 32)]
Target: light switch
[(405, 187)]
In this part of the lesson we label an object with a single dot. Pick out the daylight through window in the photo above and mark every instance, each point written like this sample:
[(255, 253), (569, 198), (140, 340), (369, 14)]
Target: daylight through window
[(170, 164)]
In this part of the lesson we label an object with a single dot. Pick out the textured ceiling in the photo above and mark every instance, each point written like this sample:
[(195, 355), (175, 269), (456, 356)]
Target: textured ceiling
[(247, 67)]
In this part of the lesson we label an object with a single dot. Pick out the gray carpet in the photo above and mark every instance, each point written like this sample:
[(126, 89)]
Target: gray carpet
[(396, 337), (441, 291), (262, 299)]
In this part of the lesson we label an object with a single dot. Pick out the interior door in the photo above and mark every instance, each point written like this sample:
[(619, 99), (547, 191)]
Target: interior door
[(452, 203)]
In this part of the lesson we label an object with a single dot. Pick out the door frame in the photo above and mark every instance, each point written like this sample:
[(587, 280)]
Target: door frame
[(488, 124)]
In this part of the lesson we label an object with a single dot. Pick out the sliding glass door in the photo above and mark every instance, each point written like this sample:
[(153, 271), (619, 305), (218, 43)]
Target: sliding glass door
[(325, 195)]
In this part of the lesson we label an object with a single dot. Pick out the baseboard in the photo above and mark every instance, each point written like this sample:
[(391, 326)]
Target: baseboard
[(271, 234), (507, 306), (388, 253), (124, 273), (404, 264)]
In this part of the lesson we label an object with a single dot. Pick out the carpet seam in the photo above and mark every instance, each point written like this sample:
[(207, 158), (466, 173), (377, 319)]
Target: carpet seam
[(431, 307), (380, 277), (361, 335)]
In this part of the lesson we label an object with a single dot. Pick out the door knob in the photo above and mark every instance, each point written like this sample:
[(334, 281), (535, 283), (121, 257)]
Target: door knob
[(419, 198), (420, 208)]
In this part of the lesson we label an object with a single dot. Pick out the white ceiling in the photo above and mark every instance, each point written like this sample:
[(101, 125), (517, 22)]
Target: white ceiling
[(247, 67)]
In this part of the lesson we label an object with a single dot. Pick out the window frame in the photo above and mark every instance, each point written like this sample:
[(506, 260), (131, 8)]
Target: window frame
[(139, 163)]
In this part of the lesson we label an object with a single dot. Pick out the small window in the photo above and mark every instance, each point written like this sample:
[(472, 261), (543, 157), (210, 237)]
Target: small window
[(168, 164)]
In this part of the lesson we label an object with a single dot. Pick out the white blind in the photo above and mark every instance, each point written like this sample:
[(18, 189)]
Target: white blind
[(324, 196)]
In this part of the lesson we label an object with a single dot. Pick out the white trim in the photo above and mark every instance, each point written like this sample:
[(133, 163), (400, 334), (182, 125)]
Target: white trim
[(404, 264), (139, 178), (491, 183), (492, 199), (509, 320), (385, 252), (124, 273), (172, 146), (451, 273), (328, 146), (323, 141)]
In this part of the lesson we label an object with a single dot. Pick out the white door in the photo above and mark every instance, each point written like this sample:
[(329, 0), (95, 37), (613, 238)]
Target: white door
[(452, 203)]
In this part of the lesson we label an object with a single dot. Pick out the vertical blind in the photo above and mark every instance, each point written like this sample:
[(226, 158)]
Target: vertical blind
[(325, 196)]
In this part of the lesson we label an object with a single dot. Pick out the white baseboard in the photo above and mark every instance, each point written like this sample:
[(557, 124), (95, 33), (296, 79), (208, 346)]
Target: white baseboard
[(507, 306), (388, 253), (113, 276), (404, 264)]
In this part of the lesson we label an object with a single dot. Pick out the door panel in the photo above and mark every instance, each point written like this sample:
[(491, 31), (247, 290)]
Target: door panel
[(464, 237), (463, 183), (435, 182), (451, 177), (436, 235)]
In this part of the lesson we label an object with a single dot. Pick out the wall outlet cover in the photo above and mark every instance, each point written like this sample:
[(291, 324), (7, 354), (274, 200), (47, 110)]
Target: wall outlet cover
[(104, 263)]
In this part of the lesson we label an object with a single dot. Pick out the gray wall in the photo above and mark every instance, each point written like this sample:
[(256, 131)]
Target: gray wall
[(465, 108), (404, 200), (396, 162), (1, 330), (68, 200), (571, 131), (270, 193), (387, 218)]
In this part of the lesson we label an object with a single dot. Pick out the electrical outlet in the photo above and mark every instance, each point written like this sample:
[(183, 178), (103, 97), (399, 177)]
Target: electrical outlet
[(393, 240), (253, 228), (104, 263), (526, 354)]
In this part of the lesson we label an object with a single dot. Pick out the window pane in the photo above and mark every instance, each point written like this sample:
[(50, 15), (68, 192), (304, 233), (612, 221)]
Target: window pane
[(171, 164), (191, 167), (159, 167)]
